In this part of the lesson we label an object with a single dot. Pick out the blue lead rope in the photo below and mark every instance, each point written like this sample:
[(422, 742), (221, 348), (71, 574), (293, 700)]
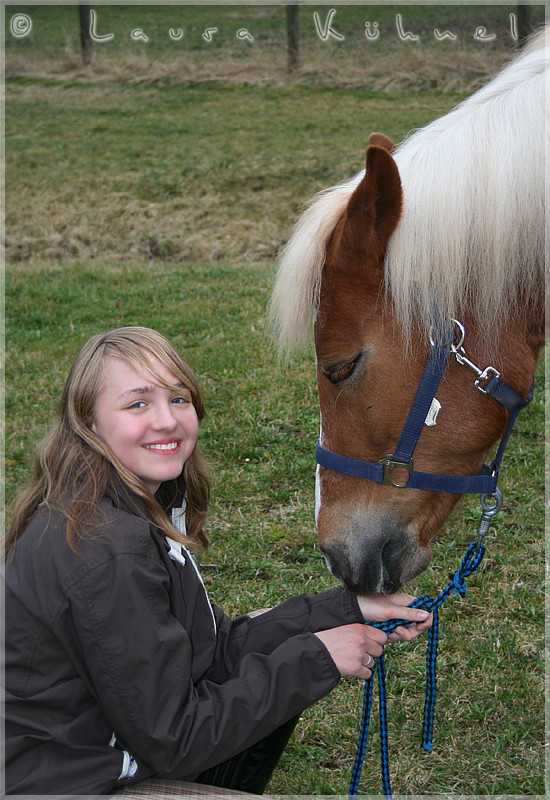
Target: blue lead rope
[(471, 561)]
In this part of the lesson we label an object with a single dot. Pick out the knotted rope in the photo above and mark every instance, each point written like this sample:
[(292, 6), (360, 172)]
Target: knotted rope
[(471, 561)]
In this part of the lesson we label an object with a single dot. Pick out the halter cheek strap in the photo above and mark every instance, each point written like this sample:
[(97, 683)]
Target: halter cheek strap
[(488, 381)]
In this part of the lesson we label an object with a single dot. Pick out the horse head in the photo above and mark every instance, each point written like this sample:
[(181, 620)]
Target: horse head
[(376, 537), (450, 225)]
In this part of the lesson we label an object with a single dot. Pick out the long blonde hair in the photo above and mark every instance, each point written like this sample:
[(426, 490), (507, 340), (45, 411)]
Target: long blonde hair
[(73, 465), (472, 231)]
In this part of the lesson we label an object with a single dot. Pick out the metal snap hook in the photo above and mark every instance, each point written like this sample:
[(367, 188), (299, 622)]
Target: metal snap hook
[(491, 504)]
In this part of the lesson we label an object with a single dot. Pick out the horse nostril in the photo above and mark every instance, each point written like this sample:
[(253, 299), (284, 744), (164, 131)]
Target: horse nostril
[(361, 578), (390, 571), (335, 560)]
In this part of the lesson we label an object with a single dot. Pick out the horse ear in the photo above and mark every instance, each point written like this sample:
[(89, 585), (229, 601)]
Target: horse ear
[(375, 205), (381, 140)]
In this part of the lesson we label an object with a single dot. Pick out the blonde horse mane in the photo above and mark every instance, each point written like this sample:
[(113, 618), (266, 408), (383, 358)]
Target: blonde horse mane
[(472, 233)]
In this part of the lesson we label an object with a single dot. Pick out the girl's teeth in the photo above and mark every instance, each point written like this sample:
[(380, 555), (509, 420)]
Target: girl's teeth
[(171, 446)]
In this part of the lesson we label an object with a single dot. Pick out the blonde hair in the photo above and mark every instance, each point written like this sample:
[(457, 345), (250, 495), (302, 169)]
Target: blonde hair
[(73, 464), (472, 231)]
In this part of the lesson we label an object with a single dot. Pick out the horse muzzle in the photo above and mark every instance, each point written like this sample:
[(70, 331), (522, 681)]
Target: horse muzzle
[(370, 563)]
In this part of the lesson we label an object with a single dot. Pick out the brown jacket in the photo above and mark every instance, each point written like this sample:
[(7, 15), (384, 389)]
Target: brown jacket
[(116, 662)]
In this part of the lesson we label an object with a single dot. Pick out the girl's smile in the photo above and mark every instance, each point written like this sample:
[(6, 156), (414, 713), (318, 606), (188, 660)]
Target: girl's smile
[(164, 447)]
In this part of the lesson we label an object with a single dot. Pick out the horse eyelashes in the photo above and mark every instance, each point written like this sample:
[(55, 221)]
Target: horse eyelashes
[(342, 373)]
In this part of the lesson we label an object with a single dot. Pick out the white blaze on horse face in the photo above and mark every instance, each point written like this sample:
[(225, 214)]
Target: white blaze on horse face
[(317, 493), (318, 481)]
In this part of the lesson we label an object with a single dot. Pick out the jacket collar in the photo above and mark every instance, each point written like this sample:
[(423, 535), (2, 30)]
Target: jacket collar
[(122, 497)]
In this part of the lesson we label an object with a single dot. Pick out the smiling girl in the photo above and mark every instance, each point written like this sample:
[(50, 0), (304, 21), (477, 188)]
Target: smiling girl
[(119, 669)]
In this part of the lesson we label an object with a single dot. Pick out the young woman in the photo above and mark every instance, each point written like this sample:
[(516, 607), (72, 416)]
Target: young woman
[(118, 666)]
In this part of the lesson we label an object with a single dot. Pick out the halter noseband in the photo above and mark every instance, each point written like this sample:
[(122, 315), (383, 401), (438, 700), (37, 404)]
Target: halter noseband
[(487, 381)]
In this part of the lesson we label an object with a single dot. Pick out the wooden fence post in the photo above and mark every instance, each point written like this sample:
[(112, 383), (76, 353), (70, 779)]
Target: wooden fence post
[(85, 38), (293, 36)]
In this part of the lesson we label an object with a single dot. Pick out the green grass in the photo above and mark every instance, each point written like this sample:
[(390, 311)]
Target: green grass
[(163, 202), (260, 435), (190, 174)]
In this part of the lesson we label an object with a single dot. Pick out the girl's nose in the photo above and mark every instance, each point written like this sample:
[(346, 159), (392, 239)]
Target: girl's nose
[(164, 417)]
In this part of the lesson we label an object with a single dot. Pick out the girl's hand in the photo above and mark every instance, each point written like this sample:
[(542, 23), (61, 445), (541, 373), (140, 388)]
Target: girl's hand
[(382, 608), (353, 648)]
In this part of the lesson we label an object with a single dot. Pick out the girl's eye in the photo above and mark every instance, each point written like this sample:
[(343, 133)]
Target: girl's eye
[(137, 404), (342, 373), (183, 399)]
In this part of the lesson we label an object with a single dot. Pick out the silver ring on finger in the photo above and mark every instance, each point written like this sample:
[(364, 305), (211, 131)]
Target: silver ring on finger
[(370, 662)]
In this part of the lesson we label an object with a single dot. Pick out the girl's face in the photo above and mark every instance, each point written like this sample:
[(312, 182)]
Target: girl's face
[(152, 430)]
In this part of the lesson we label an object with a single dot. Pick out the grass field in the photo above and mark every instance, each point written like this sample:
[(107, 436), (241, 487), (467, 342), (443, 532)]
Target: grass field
[(164, 203)]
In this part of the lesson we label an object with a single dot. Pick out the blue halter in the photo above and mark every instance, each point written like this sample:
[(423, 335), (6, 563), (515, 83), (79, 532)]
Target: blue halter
[(487, 381)]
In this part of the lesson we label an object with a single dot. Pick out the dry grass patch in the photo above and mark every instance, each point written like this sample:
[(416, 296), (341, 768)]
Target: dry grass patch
[(460, 69), (182, 173)]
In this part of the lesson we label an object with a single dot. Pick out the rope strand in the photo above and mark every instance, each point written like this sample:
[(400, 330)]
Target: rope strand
[(470, 562)]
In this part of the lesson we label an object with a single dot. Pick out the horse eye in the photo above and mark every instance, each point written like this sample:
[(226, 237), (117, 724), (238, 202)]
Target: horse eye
[(341, 373)]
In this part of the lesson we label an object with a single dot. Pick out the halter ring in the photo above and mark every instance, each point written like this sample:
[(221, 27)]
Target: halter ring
[(454, 343)]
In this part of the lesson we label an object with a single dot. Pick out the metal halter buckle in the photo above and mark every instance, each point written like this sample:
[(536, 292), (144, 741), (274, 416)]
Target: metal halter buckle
[(388, 463), (485, 377)]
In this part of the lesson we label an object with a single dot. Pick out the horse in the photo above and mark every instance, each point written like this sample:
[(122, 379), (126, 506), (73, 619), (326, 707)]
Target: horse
[(445, 232)]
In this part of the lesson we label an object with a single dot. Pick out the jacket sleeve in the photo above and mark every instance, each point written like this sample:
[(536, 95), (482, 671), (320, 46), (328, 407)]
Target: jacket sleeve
[(136, 658), (306, 613)]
